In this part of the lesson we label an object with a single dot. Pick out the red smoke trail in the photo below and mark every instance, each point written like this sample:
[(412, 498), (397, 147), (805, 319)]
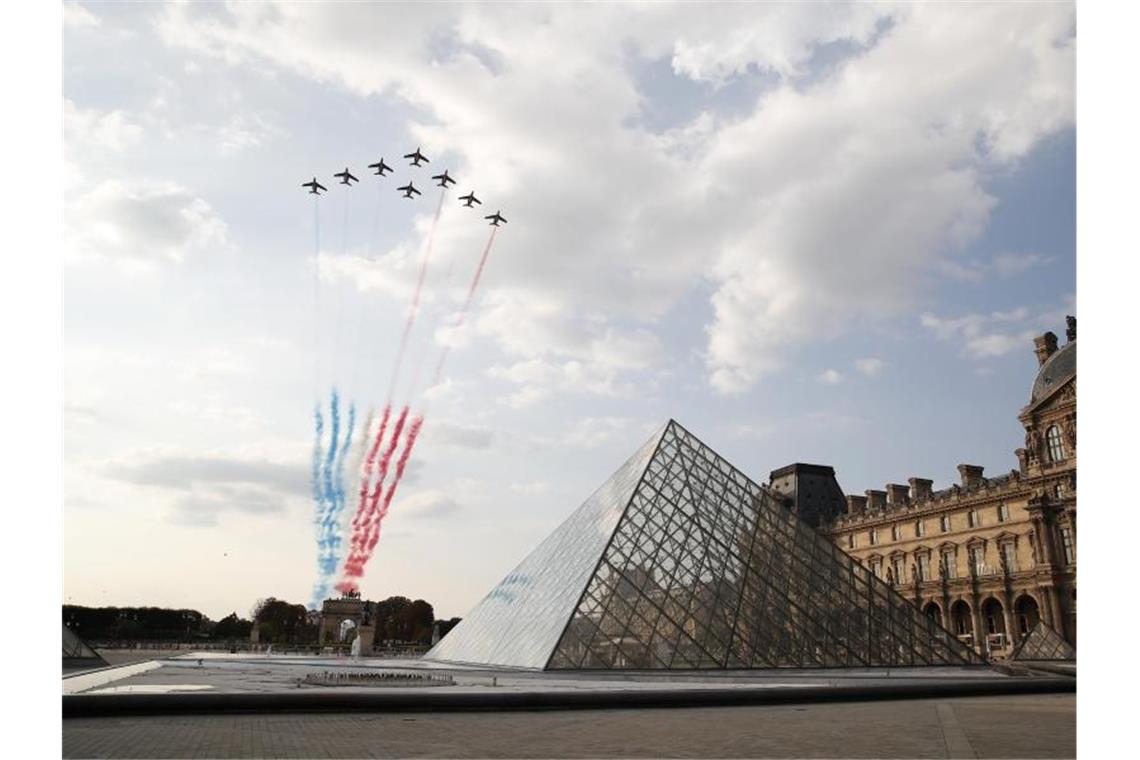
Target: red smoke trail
[(414, 308), (366, 472), (467, 303), (354, 563), (409, 444)]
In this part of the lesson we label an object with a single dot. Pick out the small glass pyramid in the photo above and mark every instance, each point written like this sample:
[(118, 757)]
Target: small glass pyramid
[(1043, 643), (680, 561)]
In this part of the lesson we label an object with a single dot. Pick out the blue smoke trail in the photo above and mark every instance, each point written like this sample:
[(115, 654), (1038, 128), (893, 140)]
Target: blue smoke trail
[(326, 539), (321, 587)]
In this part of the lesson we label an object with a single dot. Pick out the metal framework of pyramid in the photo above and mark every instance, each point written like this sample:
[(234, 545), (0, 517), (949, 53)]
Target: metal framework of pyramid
[(1043, 643), (680, 561)]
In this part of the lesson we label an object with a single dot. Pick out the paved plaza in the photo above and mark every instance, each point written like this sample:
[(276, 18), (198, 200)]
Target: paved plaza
[(1042, 726)]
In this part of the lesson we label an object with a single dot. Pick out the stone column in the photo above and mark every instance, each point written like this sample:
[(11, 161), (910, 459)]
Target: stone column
[(1007, 614), (976, 619), (1056, 613)]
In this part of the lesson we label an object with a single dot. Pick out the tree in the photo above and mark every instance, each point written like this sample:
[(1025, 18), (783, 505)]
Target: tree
[(232, 627), (279, 622), (447, 625)]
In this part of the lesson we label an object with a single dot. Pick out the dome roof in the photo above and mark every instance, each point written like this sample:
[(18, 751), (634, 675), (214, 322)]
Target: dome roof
[(1055, 372)]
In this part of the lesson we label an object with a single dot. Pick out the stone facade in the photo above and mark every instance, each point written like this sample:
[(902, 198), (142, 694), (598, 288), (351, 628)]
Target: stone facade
[(334, 612), (986, 557)]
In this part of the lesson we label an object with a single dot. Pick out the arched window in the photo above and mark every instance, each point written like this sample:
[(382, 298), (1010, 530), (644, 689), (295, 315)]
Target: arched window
[(1053, 441)]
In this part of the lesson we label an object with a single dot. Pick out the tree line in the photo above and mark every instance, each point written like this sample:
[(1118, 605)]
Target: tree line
[(396, 619)]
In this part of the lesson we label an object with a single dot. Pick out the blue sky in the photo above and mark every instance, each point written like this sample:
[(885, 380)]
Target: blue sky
[(820, 233)]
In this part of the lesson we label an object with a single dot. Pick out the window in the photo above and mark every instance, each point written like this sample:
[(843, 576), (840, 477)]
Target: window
[(873, 536), (1053, 442), (851, 541), (950, 562), (923, 567), (1067, 545), (1058, 491), (895, 533), (899, 564), (877, 567), (978, 559), (972, 518), (944, 523), (918, 529), (1010, 556), (1003, 512)]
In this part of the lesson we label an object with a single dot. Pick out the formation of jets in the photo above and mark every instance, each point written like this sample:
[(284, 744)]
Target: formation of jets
[(415, 158)]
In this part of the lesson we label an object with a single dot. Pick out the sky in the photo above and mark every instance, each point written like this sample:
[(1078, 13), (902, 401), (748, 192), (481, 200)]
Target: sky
[(808, 232)]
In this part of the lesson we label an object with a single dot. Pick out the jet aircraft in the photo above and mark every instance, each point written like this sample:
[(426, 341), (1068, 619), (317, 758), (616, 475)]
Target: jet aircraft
[(381, 168), (417, 157), (444, 179), (314, 186), (469, 199), (346, 177), (408, 189), (496, 218)]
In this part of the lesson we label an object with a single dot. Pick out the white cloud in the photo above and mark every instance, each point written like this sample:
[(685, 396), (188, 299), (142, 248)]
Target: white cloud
[(831, 377), (829, 204), (871, 366), (141, 223), (995, 334), (715, 47), (1002, 265), (75, 16), (591, 432), (248, 131), (87, 129), (427, 504), (459, 436), (1010, 264)]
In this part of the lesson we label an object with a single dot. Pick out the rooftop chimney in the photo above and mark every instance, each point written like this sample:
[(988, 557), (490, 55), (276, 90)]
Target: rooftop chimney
[(920, 488), (1044, 346), (856, 505), (971, 474), (876, 500), (897, 495), (1070, 328)]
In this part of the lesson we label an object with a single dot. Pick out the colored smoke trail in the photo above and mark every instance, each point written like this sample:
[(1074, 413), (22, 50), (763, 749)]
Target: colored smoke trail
[(409, 444), (466, 304), (321, 586), (414, 307), (330, 456), (338, 485), (354, 564)]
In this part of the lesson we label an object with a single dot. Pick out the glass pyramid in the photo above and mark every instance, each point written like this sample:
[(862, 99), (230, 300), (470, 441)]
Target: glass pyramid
[(680, 561), (76, 649), (1043, 643)]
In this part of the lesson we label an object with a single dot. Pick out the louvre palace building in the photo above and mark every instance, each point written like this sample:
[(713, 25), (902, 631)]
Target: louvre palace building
[(988, 557)]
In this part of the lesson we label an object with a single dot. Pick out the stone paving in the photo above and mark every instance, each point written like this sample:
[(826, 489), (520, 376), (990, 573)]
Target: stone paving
[(1039, 726)]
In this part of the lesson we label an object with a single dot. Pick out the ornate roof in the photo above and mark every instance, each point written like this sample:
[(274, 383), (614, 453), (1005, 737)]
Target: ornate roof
[(1055, 372)]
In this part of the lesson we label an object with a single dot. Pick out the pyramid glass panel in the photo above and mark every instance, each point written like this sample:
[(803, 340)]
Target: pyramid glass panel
[(735, 580), (1043, 643), (519, 622)]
